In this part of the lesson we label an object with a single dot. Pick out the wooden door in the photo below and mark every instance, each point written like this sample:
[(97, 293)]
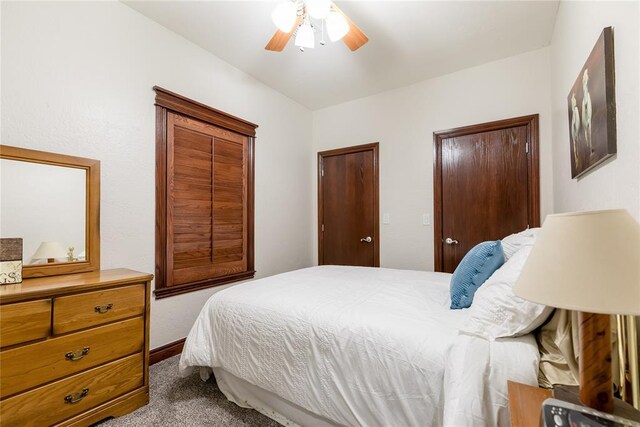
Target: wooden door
[(486, 185), (348, 206)]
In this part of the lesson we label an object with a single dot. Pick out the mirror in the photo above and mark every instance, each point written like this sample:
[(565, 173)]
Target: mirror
[(45, 206), (51, 201)]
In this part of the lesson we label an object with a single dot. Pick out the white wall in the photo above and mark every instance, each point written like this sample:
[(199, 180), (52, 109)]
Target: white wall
[(403, 121), (617, 183), (77, 79)]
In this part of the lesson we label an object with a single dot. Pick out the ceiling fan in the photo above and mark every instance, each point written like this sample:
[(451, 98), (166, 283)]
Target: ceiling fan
[(304, 18)]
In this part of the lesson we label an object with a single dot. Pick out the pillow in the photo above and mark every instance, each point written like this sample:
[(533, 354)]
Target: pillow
[(513, 242), (476, 267), (497, 312)]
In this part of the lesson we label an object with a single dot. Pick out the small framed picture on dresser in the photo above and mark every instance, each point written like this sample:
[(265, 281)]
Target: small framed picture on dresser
[(10, 261)]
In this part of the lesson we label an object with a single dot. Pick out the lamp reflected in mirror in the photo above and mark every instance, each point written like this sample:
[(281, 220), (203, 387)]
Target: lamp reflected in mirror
[(50, 252)]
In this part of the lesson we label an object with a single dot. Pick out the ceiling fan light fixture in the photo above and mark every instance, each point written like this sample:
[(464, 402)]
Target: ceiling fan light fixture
[(284, 16), (337, 26), (318, 9), (304, 36), (295, 21)]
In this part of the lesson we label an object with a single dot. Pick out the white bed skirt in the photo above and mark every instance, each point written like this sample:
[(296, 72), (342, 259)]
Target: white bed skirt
[(247, 395)]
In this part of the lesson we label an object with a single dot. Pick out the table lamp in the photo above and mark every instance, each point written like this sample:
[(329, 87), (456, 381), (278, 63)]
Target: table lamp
[(588, 262), (50, 251)]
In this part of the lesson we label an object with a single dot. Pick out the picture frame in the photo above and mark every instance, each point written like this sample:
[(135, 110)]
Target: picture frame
[(592, 109), (10, 261)]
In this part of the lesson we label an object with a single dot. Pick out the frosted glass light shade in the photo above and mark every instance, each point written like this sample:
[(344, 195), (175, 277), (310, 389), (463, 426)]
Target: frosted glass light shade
[(284, 16), (304, 36), (585, 261), (318, 9), (337, 26), (48, 250)]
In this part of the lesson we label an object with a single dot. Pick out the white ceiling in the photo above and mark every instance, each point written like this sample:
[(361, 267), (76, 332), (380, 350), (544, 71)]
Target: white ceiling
[(409, 41)]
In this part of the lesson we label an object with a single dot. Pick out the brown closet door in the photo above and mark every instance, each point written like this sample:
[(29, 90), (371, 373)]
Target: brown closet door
[(206, 196), (485, 185)]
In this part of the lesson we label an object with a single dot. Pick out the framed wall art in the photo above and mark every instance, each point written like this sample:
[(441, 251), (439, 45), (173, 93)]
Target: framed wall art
[(592, 109)]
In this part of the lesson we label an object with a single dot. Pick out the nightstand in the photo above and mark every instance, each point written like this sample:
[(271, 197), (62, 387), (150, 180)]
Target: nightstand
[(525, 403)]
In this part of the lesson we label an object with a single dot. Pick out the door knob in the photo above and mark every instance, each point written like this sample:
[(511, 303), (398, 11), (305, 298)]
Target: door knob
[(367, 239), (450, 241)]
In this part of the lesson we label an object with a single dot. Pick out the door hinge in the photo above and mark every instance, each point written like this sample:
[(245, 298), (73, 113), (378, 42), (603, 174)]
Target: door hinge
[(322, 172), (526, 148), (323, 228)]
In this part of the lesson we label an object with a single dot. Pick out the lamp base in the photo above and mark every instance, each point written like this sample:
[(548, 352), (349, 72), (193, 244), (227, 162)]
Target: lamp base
[(596, 385)]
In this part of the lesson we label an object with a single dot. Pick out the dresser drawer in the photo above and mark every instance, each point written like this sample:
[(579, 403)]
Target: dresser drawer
[(33, 364), (88, 309), (62, 399), (24, 321)]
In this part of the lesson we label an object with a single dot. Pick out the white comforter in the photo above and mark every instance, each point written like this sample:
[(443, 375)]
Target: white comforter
[(360, 346)]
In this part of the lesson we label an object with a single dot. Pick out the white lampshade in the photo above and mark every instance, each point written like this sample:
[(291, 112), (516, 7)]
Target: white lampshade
[(48, 250), (318, 9), (284, 15), (337, 26), (585, 261), (304, 36)]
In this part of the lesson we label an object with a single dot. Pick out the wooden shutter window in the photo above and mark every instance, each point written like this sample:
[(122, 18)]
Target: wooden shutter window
[(204, 206)]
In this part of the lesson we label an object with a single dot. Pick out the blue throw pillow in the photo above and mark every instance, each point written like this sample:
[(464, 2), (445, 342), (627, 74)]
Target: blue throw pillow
[(474, 269)]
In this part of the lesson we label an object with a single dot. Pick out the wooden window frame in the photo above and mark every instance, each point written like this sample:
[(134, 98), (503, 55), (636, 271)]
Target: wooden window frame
[(169, 102)]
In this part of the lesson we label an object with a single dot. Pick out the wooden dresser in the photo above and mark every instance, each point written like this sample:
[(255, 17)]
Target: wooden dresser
[(74, 348)]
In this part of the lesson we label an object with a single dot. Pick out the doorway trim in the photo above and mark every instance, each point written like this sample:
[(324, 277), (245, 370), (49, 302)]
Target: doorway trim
[(376, 197), (533, 171)]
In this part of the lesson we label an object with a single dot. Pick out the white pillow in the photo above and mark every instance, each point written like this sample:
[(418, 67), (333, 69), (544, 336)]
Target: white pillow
[(513, 242), (496, 312)]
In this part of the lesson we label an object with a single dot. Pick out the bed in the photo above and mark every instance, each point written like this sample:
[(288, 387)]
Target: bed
[(350, 346)]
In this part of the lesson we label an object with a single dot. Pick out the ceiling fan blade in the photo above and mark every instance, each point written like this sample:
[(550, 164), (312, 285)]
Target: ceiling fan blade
[(280, 38), (355, 38)]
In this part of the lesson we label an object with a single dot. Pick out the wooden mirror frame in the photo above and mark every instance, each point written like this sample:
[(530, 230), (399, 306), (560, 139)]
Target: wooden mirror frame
[(92, 213)]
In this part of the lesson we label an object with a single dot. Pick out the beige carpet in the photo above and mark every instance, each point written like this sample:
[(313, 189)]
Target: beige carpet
[(186, 402)]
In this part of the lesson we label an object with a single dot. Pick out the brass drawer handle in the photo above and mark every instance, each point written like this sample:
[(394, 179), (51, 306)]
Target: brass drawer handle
[(77, 355), (77, 397), (102, 309)]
